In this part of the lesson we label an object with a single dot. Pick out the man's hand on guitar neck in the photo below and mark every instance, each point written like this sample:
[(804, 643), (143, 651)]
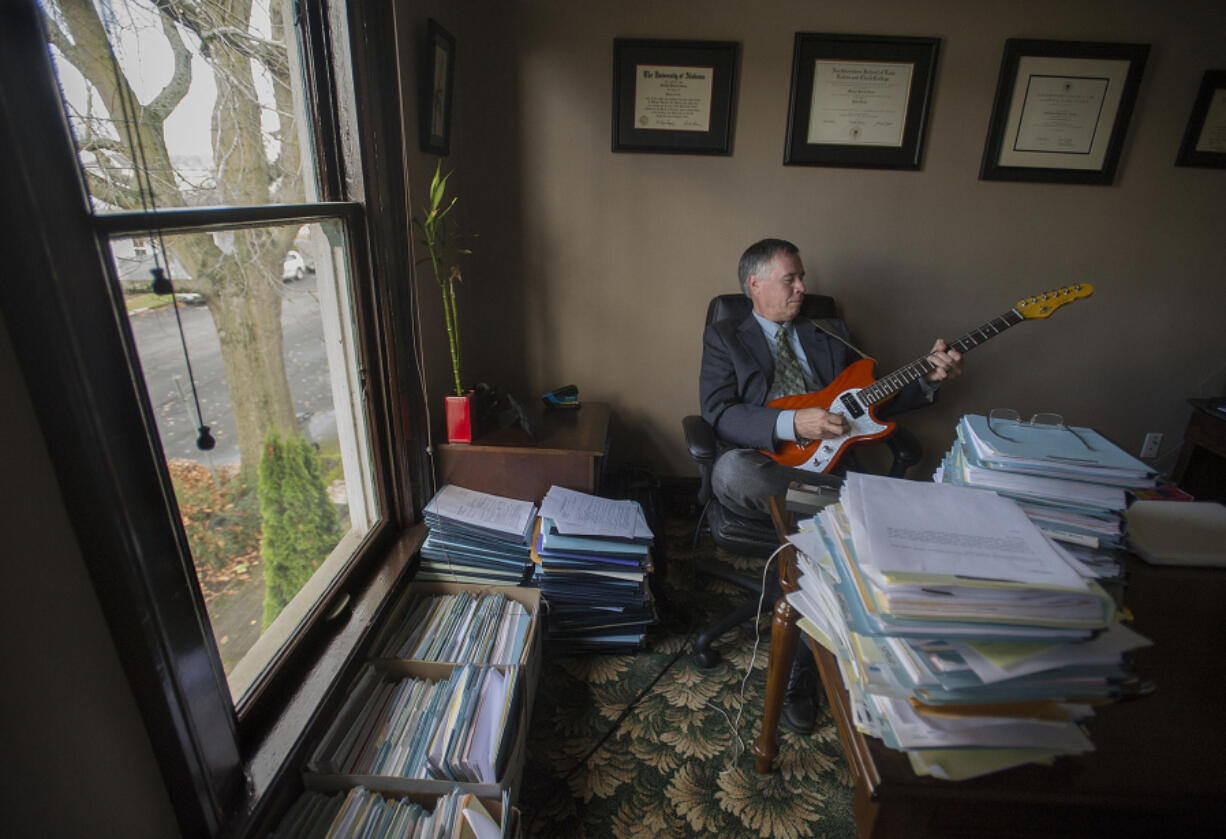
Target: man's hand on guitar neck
[(948, 362)]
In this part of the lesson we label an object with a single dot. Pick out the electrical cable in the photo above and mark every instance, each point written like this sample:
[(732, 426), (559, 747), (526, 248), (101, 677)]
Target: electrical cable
[(162, 282)]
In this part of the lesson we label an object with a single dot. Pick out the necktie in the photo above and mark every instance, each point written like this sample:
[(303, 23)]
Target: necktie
[(788, 373)]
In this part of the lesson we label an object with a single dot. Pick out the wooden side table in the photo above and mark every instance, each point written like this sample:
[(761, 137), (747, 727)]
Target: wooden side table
[(1201, 468), (568, 451)]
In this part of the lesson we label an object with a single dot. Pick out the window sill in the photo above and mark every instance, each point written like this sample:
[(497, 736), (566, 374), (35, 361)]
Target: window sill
[(277, 752)]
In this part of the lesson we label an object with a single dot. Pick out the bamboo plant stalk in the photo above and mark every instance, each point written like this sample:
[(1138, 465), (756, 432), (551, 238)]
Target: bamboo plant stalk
[(438, 242)]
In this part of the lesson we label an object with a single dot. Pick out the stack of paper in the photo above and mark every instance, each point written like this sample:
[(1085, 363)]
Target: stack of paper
[(358, 812), (455, 729), (1071, 481), (964, 636), (594, 555), (465, 628), (477, 538)]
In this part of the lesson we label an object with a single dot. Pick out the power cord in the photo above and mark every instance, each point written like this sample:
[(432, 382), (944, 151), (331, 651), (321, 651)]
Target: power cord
[(735, 725)]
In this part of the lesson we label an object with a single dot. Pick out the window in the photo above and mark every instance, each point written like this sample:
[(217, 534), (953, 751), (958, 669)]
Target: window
[(220, 153), (198, 104)]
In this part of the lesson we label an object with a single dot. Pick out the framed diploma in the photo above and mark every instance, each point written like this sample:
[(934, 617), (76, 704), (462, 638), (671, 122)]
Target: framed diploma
[(673, 96), (434, 98), (1062, 110), (1204, 141), (859, 100)]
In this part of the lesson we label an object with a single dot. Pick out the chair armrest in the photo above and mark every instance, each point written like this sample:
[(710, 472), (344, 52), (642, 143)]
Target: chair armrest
[(907, 450), (700, 438)]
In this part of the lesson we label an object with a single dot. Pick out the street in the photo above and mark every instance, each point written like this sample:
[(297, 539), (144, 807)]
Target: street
[(161, 357)]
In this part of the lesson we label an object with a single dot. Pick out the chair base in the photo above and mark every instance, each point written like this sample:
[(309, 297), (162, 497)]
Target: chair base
[(707, 657)]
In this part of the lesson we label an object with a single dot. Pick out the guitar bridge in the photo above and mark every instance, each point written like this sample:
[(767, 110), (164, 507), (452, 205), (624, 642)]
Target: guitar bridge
[(851, 405)]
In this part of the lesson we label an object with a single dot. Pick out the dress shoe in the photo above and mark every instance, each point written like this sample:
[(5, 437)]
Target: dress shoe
[(799, 713)]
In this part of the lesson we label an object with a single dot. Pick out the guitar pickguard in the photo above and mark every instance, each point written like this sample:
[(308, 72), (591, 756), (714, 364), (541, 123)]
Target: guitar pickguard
[(862, 426)]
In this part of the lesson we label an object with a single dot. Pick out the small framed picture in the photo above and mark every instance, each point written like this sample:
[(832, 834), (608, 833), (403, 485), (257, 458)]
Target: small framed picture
[(673, 96), (859, 100), (437, 76), (1062, 110), (1204, 140)]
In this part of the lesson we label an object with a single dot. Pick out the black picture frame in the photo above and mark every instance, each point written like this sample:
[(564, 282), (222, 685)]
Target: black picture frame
[(437, 78), (685, 107), (1061, 111), (845, 96), (1208, 152)]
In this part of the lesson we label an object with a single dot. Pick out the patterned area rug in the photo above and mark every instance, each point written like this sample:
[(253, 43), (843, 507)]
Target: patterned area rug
[(681, 762)]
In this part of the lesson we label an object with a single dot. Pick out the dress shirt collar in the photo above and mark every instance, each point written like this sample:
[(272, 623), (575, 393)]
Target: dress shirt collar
[(768, 326)]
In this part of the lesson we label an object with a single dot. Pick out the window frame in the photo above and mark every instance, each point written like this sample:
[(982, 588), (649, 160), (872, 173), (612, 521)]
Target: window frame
[(78, 356)]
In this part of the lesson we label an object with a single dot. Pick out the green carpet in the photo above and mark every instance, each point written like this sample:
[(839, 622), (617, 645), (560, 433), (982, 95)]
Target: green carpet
[(676, 766)]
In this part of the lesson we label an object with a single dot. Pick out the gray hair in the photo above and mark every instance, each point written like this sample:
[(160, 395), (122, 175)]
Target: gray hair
[(758, 256)]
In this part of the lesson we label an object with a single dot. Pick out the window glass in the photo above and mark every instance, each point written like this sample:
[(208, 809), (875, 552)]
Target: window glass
[(285, 492), (195, 104), (199, 105)]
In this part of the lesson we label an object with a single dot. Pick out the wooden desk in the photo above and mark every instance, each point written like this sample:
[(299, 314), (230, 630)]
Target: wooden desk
[(1201, 468), (1159, 765), (567, 451)]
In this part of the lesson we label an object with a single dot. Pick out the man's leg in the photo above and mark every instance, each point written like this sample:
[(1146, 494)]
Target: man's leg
[(744, 480)]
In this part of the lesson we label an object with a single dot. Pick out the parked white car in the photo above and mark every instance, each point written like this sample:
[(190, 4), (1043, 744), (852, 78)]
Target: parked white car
[(296, 266)]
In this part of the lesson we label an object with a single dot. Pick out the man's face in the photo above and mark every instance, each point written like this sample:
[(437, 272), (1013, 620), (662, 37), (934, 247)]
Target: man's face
[(779, 294)]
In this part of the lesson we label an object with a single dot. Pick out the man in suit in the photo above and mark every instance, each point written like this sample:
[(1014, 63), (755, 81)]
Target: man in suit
[(772, 353)]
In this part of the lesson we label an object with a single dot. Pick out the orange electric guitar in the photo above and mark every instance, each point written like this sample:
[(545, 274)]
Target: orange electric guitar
[(854, 393)]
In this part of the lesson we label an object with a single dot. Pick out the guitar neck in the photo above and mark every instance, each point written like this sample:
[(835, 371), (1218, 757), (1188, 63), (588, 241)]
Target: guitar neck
[(887, 386)]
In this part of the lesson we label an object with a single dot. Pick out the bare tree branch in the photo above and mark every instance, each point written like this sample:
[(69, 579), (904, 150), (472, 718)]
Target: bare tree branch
[(93, 142), (174, 91), (111, 191)]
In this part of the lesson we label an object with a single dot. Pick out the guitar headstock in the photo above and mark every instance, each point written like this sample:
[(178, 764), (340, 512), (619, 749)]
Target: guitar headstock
[(1047, 302)]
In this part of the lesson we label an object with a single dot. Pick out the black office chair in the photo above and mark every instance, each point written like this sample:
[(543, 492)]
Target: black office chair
[(754, 537)]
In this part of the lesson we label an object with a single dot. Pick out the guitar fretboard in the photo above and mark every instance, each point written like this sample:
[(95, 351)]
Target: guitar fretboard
[(887, 386)]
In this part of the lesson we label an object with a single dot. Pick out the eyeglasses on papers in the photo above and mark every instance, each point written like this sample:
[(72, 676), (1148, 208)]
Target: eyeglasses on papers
[(999, 418)]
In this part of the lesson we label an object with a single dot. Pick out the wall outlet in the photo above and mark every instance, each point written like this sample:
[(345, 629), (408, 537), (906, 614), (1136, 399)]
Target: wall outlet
[(1149, 449)]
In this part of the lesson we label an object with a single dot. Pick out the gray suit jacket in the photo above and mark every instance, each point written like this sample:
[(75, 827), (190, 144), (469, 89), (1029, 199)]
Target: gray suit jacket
[(738, 369)]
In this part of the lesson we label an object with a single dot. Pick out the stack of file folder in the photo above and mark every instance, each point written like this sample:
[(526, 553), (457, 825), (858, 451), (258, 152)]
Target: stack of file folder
[(964, 635), (465, 627), (459, 728), (593, 556), (477, 538), (359, 812), (1071, 481)]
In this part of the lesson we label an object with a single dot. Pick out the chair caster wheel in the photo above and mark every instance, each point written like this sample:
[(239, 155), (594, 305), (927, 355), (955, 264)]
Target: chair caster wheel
[(706, 658)]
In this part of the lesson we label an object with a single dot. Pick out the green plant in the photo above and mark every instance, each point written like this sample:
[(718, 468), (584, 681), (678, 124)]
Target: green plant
[(301, 524), (439, 242)]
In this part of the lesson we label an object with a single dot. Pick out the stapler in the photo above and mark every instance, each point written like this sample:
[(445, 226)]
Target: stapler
[(562, 397)]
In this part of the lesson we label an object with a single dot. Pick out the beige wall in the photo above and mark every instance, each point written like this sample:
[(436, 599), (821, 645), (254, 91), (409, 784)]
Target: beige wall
[(80, 761), (594, 268)]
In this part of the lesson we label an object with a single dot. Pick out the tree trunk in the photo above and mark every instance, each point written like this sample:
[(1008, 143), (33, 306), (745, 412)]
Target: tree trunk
[(248, 321)]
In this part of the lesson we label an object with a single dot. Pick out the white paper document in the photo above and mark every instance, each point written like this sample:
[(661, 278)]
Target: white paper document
[(579, 513), (480, 509), (995, 662), (910, 527)]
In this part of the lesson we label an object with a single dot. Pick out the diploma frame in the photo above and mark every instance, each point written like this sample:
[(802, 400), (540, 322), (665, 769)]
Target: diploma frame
[(917, 57), (714, 112), (1212, 87), (437, 79), (1062, 59)]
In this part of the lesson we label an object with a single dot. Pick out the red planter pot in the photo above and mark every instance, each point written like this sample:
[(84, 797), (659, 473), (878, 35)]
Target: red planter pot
[(461, 411)]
